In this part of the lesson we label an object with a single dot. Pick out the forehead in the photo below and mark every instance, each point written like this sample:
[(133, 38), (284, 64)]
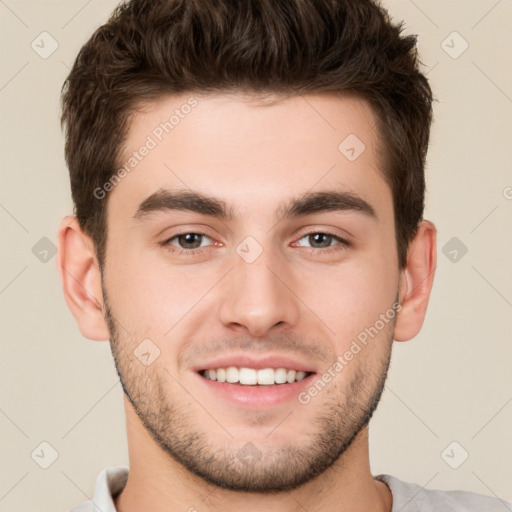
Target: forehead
[(250, 153)]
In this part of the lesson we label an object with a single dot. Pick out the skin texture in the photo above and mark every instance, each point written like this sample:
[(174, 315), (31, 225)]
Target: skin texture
[(295, 299)]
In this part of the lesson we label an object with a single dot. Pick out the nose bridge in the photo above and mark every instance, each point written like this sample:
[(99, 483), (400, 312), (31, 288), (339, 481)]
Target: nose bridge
[(256, 297)]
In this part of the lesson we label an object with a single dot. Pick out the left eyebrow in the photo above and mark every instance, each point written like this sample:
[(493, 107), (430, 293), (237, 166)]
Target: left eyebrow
[(318, 202), (308, 203)]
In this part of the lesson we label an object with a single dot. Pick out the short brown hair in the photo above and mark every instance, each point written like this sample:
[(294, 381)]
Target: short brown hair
[(149, 49)]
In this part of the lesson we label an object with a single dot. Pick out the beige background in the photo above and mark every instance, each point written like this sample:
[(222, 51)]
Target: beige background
[(452, 383)]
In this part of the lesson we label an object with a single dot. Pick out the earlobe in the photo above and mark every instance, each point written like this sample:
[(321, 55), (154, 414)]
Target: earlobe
[(80, 276), (416, 282)]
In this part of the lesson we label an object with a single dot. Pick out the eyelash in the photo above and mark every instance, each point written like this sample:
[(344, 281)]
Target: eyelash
[(193, 252)]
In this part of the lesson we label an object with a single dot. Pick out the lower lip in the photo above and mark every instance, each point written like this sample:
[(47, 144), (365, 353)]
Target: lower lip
[(257, 396)]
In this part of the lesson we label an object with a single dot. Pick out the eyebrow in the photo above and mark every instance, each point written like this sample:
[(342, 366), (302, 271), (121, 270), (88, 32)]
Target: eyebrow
[(308, 203)]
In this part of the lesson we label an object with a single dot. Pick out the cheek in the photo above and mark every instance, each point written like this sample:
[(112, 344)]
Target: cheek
[(351, 296), (151, 296)]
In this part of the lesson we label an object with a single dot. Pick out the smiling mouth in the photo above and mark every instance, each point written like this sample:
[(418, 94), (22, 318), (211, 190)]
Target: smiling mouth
[(254, 377)]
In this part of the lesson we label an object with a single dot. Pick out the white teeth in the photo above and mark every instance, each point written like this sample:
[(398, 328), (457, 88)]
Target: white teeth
[(266, 376), (247, 376), (251, 376), (280, 375), (300, 375), (232, 374)]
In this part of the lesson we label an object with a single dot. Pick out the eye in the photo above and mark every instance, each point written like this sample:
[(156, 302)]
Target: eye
[(321, 241), (191, 243), (186, 243)]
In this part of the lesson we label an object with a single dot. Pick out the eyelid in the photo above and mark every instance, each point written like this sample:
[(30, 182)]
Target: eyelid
[(334, 231), (325, 231)]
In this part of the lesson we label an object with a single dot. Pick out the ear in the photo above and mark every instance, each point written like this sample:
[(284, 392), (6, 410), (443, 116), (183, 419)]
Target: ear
[(79, 272), (416, 281)]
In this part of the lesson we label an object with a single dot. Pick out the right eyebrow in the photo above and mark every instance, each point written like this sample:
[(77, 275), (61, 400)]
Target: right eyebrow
[(163, 200)]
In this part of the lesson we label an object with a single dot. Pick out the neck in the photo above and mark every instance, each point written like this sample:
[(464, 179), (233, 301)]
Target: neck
[(158, 483)]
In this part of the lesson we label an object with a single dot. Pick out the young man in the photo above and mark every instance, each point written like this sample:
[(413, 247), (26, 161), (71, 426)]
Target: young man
[(248, 180)]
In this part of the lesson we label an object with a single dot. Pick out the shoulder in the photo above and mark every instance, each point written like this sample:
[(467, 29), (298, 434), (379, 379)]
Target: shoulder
[(86, 506), (109, 483), (410, 497)]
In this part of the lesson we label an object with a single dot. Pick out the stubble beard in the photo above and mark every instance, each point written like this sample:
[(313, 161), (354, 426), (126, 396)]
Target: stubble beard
[(342, 416)]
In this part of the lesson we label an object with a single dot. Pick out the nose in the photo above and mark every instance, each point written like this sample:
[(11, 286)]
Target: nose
[(258, 297)]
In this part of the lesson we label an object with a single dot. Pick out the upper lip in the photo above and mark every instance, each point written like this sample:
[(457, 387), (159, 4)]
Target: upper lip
[(258, 363)]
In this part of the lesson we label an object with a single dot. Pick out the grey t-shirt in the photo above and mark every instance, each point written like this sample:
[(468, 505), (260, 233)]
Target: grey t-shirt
[(407, 497)]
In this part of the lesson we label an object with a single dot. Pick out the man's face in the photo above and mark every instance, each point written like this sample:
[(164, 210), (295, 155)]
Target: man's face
[(257, 289)]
